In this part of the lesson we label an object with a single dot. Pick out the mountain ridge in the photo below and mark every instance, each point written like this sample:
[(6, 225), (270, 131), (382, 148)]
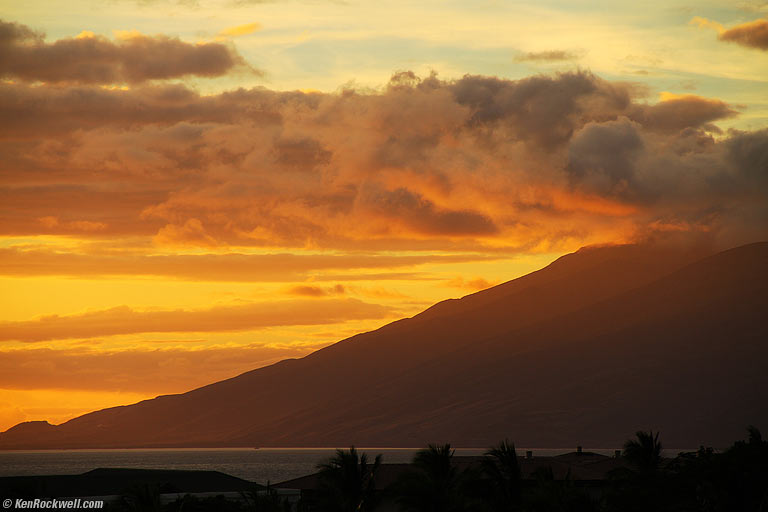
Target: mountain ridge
[(405, 382)]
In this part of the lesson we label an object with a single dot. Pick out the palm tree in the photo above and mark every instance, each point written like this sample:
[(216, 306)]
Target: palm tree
[(434, 484), (502, 472), (641, 488), (645, 452), (755, 437), (347, 482)]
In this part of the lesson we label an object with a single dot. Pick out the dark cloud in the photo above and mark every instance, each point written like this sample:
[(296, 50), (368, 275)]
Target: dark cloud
[(405, 149), (96, 60), (424, 217), (680, 112), (753, 34), (601, 156), (543, 109), (300, 154), (749, 154), (11, 33), (34, 111), (546, 56)]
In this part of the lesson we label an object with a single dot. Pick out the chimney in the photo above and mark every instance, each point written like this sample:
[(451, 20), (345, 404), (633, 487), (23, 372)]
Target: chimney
[(529, 454), (578, 450)]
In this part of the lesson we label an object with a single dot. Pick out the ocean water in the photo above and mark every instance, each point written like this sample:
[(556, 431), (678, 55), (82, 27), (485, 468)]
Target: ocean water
[(258, 465), (262, 465)]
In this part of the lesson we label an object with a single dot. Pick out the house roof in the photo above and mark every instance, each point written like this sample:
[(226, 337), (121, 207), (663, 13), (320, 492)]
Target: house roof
[(116, 481)]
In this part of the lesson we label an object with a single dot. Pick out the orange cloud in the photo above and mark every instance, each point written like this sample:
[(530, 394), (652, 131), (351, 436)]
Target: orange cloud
[(753, 34), (317, 291), (280, 267), (124, 320), (124, 35), (240, 30), (192, 233), (76, 209), (51, 223), (474, 285), (706, 23)]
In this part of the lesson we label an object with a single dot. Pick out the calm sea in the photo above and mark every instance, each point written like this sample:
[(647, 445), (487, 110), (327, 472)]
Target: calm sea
[(262, 465)]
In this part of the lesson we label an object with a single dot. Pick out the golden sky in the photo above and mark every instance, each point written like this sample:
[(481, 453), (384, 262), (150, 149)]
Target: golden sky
[(193, 189)]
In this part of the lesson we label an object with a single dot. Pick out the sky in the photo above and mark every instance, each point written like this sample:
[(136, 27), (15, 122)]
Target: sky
[(193, 189)]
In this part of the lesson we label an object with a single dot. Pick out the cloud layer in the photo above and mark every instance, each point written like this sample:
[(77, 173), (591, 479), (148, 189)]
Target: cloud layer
[(240, 317), (151, 370), (480, 162), (278, 267)]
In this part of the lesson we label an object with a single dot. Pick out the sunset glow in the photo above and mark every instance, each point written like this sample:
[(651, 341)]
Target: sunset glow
[(193, 189)]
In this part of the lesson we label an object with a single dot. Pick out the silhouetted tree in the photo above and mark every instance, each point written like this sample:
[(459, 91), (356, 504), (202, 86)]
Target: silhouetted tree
[(642, 487), (735, 480), (746, 478), (699, 479), (434, 484), (644, 452), (348, 482), (502, 477)]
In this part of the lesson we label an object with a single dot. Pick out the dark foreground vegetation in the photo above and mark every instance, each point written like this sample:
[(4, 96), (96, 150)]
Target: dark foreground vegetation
[(730, 481), (638, 479)]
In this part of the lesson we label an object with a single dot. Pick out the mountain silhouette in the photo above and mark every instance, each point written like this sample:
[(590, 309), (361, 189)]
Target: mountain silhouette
[(595, 346)]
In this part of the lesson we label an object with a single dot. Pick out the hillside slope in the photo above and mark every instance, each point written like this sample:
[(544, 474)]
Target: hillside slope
[(596, 345)]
